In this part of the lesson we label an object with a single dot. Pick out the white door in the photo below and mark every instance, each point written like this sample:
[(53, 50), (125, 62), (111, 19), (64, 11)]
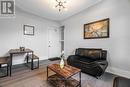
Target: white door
[(54, 46)]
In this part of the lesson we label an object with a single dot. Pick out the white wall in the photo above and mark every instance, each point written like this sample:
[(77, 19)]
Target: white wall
[(11, 35), (117, 45)]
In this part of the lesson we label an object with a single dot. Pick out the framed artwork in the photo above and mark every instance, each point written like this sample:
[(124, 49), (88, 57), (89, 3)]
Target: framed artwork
[(97, 29), (28, 30)]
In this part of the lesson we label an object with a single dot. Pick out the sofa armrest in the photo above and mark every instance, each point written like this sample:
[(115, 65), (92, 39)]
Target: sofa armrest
[(71, 59), (102, 62), (104, 55)]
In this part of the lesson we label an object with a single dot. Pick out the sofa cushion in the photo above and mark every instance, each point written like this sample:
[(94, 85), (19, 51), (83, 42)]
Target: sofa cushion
[(94, 54), (84, 59)]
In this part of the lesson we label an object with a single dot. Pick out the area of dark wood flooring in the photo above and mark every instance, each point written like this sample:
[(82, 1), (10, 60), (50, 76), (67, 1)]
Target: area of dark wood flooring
[(22, 76)]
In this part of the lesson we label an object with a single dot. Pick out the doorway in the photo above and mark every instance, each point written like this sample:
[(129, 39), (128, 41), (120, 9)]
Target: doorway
[(54, 45)]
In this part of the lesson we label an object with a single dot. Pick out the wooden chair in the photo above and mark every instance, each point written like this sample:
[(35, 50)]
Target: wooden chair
[(32, 58), (4, 61)]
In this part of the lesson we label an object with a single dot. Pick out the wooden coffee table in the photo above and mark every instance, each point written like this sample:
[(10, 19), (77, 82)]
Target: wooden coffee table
[(63, 77)]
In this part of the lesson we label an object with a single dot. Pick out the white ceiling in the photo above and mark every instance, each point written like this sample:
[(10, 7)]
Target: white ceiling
[(44, 8)]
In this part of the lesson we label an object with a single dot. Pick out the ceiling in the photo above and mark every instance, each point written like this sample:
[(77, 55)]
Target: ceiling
[(44, 8)]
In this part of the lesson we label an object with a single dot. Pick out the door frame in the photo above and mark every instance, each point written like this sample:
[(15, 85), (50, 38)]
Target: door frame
[(50, 28)]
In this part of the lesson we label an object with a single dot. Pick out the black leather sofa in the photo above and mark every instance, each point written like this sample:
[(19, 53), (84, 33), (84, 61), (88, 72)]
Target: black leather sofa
[(89, 60), (121, 82)]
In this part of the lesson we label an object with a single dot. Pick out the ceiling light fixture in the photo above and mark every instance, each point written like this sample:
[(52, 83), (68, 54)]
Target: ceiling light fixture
[(60, 5)]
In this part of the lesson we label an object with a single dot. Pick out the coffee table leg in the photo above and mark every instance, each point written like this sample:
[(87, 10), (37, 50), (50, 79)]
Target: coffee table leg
[(47, 73), (65, 82), (80, 79)]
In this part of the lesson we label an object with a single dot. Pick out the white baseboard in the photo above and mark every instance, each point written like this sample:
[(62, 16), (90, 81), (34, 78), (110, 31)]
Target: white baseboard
[(43, 58), (118, 72)]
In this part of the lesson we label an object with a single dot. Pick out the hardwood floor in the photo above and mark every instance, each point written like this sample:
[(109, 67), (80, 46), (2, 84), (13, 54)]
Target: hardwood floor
[(24, 77)]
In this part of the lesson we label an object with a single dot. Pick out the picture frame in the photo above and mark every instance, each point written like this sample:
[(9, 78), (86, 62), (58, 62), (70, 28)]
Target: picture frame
[(97, 29), (28, 30)]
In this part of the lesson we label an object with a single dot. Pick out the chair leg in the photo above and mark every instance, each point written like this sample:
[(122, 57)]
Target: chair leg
[(7, 69), (0, 65), (31, 64), (10, 70), (38, 63), (27, 58)]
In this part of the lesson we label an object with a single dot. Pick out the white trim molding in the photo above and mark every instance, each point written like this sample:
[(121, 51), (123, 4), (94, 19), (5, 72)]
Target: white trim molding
[(118, 71)]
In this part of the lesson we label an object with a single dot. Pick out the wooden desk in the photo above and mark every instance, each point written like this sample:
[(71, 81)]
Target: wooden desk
[(17, 51)]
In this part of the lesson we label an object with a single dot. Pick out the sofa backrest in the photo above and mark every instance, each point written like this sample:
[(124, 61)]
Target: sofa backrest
[(95, 54), (104, 55)]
